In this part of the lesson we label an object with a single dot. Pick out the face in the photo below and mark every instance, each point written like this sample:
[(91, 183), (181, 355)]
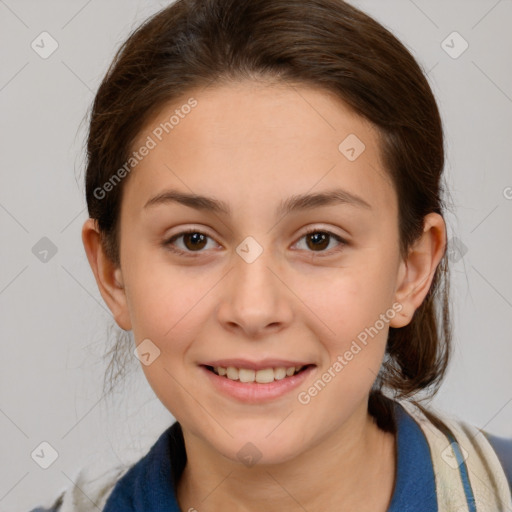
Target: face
[(312, 284)]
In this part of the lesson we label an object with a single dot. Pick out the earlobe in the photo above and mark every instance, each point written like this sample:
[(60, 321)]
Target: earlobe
[(417, 272), (108, 276)]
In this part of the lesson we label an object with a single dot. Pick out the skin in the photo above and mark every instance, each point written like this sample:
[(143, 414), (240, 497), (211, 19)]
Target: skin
[(252, 144)]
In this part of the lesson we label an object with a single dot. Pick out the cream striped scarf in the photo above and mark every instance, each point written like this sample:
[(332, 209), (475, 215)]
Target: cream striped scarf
[(468, 474)]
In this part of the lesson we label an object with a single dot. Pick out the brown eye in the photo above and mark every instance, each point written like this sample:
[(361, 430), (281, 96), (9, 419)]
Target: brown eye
[(318, 241), (193, 242)]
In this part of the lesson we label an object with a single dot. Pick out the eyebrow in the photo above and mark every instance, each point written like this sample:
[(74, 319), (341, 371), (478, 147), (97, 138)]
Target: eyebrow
[(292, 204)]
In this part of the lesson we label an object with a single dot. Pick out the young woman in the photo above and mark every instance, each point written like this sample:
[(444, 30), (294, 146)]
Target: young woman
[(264, 185)]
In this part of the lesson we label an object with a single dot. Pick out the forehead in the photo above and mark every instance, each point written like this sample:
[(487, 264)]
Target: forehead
[(259, 140)]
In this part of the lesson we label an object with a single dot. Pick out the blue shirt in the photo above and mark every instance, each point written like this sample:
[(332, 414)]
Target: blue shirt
[(150, 484)]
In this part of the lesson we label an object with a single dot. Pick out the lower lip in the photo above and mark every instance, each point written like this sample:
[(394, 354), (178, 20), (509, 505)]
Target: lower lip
[(254, 392)]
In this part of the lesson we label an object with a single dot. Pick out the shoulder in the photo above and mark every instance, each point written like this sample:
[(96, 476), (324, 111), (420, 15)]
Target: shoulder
[(503, 448), (93, 485), (98, 486), (469, 464)]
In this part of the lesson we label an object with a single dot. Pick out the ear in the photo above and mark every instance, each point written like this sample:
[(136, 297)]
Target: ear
[(416, 273), (108, 276)]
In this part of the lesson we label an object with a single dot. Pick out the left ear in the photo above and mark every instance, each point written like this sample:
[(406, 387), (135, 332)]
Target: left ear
[(416, 273)]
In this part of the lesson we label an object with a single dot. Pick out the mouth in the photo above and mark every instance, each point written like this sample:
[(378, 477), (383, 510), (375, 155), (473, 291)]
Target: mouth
[(257, 386), (263, 376)]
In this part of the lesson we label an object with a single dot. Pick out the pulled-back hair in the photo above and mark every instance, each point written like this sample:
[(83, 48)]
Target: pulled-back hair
[(328, 44)]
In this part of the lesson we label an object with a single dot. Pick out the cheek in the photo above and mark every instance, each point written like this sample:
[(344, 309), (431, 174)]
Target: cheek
[(168, 308), (352, 314), (348, 300), (164, 300)]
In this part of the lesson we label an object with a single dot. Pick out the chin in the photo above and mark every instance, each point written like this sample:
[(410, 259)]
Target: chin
[(253, 449)]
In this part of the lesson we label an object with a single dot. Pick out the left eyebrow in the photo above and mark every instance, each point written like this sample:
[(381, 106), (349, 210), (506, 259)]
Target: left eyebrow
[(292, 204), (331, 197)]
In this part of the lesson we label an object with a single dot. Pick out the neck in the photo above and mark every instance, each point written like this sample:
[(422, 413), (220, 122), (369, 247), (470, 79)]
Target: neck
[(351, 469)]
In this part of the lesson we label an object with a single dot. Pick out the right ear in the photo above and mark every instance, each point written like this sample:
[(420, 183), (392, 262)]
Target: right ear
[(108, 276)]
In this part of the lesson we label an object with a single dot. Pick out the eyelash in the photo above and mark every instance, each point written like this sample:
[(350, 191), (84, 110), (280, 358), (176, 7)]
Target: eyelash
[(168, 243)]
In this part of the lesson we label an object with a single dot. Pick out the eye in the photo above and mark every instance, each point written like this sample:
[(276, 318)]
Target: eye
[(318, 240), (193, 241)]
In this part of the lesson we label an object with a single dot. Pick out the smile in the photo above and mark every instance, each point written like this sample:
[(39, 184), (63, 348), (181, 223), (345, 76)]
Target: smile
[(243, 384), (263, 376)]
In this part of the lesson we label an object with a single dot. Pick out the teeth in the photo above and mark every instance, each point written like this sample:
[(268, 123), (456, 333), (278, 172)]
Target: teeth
[(232, 373), (261, 376), (248, 375)]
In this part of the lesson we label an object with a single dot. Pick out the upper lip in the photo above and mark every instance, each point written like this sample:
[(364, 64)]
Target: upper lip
[(256, 365)]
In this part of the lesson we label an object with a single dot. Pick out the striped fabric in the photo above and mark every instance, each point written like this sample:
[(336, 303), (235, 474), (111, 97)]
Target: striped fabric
[(450, 468), (469, 475)]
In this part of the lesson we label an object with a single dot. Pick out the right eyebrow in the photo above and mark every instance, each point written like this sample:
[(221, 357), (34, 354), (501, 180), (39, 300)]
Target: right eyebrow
[(191, 200)]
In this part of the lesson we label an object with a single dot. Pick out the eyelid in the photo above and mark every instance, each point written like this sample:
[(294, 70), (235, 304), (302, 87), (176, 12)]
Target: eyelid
[(323, 229), (167, 243), (320, 229)]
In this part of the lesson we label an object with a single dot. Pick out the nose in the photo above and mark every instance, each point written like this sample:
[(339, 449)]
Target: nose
[(255, 300)]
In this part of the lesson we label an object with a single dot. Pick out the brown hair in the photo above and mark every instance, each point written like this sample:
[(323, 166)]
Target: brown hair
[(325, 43)]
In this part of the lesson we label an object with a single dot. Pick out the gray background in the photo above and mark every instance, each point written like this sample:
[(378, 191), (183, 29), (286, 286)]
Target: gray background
[(53, 320)]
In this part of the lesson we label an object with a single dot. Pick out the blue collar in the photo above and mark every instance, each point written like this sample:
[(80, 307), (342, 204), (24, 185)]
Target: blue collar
[(415, 487), (149, 484)]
